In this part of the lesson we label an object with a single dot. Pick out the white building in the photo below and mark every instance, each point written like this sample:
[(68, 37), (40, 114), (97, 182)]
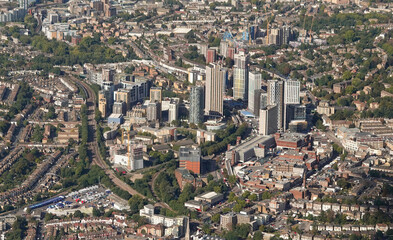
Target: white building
[(292, 92), (255, 80), (268, 120)]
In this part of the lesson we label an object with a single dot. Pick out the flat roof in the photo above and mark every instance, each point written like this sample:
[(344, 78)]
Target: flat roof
[(115, 115), (210, 195), (246, 113)]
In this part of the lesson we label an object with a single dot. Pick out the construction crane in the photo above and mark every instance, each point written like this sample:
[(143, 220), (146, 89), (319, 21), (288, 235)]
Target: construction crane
[(122, 136), (128, 151), (310, 32), (267, 32), (267, 28)]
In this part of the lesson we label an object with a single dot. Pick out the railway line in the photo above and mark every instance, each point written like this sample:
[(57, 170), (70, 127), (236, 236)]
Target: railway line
[(92, 141)]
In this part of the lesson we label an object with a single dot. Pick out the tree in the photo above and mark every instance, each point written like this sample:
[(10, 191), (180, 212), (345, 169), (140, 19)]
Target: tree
[(216, 218), (210, 178), (246, 194), (232, 179), (231, 197), (136, 202), (19, 228), (51, 114), (253, 197), (258, 235), (96, 212), (78, 214)]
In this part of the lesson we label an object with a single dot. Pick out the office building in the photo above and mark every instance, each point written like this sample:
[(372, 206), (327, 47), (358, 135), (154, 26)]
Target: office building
[(190, 159), (291, 96), (102, 103), (255, 79), (154, 111), (260, 101), (292, 92), (295, 112), (275, 97), (268, 120), (196, 105), (155, 94), (214, 97), (211, 56), (240, 76)]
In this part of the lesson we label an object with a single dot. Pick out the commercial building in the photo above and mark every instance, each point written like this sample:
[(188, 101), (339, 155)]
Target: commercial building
[(196, 105), (190, 159), (268, 120), (295, 112), (255, 79), (254, 147), (240, 76), (210, 197), (115, 119), (214, 97)]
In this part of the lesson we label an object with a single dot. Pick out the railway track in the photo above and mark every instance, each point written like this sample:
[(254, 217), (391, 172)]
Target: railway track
[(92, 142)]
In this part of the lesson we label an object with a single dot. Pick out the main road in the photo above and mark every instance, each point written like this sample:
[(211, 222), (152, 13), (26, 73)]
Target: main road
[(92, 140)]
